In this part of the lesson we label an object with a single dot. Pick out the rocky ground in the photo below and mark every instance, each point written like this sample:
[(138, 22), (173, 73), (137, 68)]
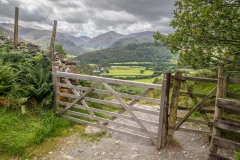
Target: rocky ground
[(186, 146)]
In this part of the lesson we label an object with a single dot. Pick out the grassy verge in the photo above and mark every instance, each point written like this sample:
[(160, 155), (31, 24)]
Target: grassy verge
[(19, 133)]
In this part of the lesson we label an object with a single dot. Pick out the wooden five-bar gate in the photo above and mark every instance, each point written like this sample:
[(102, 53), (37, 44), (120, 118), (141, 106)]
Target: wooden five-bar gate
[(73, 100)]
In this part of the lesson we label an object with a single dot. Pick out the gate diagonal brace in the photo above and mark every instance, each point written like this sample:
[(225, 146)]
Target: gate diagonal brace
[(131, 104), (196, 107), (130, 112), (77, 94), (78, 99)]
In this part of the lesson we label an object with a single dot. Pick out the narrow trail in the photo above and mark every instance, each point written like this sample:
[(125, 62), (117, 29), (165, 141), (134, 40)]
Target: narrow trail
[(121, 147)]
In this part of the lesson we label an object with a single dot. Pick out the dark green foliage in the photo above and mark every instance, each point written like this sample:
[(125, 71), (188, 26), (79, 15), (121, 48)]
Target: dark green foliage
[(24, 77), (206, 73), (143, 52), (237, 154), (141, 71), (7, 79), (59, 48), (206, 33), (39, 84)]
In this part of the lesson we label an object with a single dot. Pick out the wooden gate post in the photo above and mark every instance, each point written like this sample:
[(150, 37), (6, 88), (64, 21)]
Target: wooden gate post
[(174, 102), (163, 116), (167, 76), (15, 37), (52, 44), (221, 93), (56, 80)]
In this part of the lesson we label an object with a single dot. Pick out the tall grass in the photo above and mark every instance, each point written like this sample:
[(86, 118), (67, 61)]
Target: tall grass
[(21, 131)]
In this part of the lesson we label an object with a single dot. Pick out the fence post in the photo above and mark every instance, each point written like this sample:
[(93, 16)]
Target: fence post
[(167, 76), (55, 79), (56, 96), (52, 44), (174, 102), (221, 93), (15, 36), (163, 115)]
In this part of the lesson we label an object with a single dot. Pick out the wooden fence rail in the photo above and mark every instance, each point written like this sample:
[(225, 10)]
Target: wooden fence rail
[(220, 123)]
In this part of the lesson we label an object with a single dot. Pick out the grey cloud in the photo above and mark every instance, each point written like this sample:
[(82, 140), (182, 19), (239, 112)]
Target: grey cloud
[(85, 17), (144, 9)]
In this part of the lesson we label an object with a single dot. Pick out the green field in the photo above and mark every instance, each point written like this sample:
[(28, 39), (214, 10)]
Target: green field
[(147, 80), (124, 71)]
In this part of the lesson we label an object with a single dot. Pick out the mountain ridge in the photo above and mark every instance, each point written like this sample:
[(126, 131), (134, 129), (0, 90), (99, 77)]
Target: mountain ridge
[(78, 45)]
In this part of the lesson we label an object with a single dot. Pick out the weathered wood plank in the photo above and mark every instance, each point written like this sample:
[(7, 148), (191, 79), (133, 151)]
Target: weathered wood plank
[(107, 80), (194, 131), (118, 105), (78, 98), (110, 113), (15, 32), (221, 93), (130, 112), (136, 128), (195, 101), (77, 94), (233, 95), (174, 102), (200, 79), (226, 144), (196, 107), (107, 128), (210, 80), (234, 81), (230, 104), (161, 128), (123, 95), (230, 126), (149, 90), (55, 89)]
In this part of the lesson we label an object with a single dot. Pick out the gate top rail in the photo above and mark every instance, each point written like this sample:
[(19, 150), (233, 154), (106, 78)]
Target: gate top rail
[(208, 80), (106, 80)]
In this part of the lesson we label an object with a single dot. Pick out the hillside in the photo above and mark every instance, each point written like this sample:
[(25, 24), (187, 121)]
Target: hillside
[(43, 37), (102, 41), (146, 37), (143, 52), (78, 45)]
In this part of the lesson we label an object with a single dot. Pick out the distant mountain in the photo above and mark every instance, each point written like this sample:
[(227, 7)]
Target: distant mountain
[(141, 37), (102, 41), (79, 45), (43, 38), (143, 52), (6, 32)]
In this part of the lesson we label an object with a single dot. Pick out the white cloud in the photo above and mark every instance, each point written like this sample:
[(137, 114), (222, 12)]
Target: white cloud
[(4, 2)]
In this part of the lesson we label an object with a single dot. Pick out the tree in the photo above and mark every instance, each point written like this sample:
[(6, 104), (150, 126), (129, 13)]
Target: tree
[(59, 48), (207, 33)]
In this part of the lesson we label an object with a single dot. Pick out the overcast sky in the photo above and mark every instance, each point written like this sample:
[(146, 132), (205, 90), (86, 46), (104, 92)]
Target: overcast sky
[(92, 17)]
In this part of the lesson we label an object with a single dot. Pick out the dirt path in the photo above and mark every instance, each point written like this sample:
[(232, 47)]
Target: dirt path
[(121, 147)]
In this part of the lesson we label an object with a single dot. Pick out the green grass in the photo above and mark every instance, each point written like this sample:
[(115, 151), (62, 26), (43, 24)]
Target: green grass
[(71, 56), (36, 133), (20, 132), (128, 71)]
